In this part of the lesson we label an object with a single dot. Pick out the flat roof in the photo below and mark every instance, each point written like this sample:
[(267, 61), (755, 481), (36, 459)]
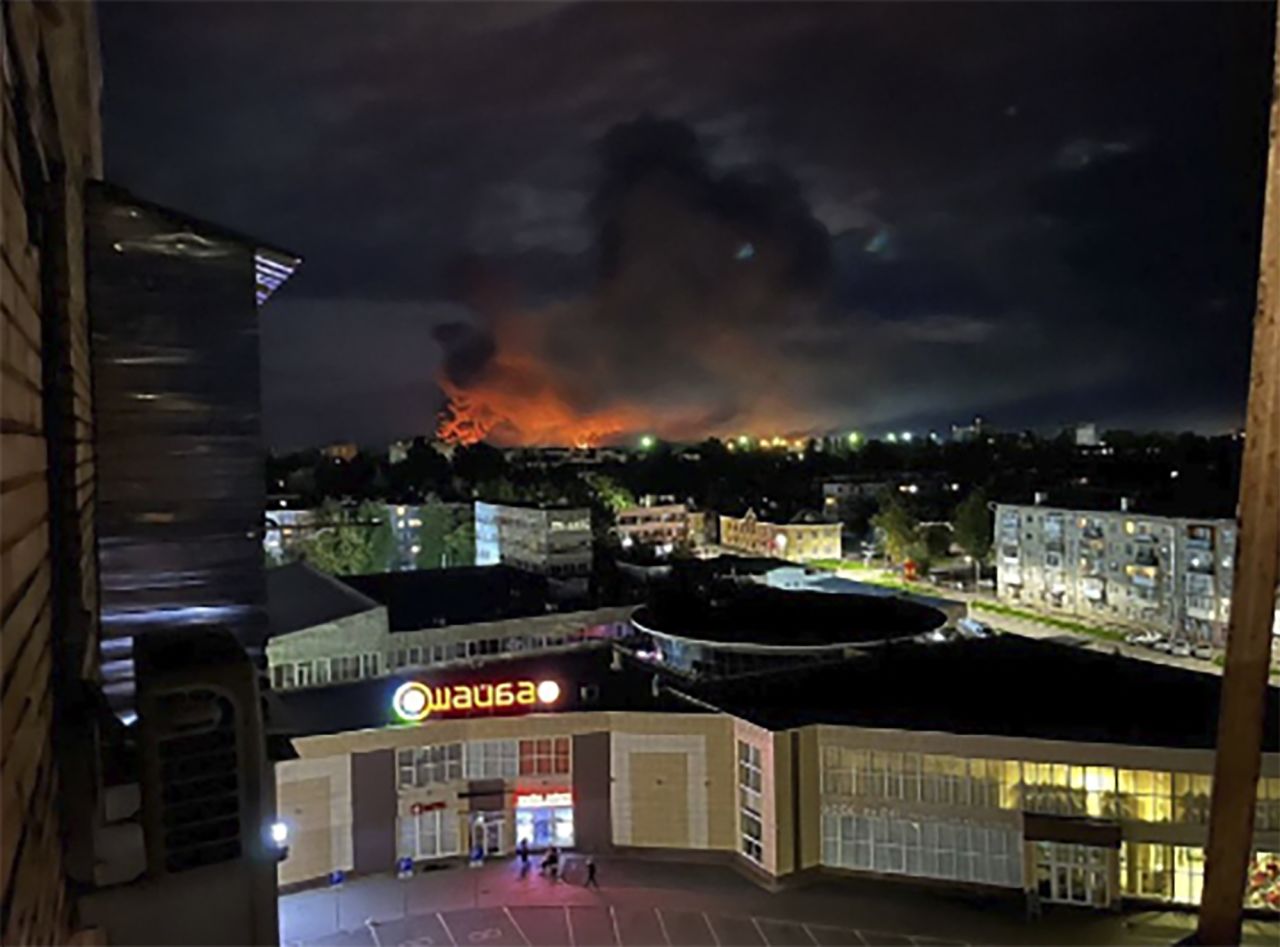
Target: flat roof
[(299, 597), (1002, 686), (432, 598), (754, 614), (587, 679)]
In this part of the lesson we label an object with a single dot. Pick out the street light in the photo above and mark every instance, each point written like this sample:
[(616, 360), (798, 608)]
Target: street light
[(646, 442)]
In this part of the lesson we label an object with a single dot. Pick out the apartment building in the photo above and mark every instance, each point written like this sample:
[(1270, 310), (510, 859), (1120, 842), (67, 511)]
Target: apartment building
[(551, 541), (660, 525), (798, 540), (1170, 574)]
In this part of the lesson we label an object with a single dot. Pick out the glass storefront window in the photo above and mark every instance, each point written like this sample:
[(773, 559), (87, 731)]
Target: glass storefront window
[(544, 826), (1188, 874), (1268, 812), (1191, 797), (1263, 885)]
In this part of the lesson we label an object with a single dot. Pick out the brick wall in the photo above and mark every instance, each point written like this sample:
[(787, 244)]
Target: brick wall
[(50, 145)]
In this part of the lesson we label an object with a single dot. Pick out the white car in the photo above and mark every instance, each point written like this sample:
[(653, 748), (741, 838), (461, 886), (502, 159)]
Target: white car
[(1203, 651), (1142, 638), (972, 628), (1161, 644), (1180, 649)]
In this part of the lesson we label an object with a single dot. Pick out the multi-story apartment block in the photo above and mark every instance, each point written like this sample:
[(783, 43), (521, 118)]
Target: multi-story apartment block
[(1169, 574), (659, 525), (549, 541), (799, 541)]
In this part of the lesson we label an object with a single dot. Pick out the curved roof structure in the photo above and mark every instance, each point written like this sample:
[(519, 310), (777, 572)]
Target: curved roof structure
[(757, 618)]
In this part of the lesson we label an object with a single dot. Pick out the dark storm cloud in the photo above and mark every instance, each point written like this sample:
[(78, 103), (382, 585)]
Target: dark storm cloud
[(1024, 205)]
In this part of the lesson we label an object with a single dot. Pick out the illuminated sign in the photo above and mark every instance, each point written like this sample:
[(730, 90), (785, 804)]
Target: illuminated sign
[(537, 800), (418, 808), (415, 701)]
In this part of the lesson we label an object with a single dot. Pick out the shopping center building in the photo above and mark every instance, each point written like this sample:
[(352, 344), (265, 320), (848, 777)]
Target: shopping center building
[(968, 763)]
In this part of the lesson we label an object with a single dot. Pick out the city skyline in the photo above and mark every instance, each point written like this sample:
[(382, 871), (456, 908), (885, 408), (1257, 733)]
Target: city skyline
[(834, 217)]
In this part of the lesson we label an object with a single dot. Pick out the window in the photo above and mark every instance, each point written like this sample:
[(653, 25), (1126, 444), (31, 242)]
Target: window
[(886, 842), (302, 674), (419, 767), (1144, 796), (346, 668), (544, 757), (369, 665), (430, 834), (750, 787), (282, 676), (1267, 815), (492, 759), (1191, 797)]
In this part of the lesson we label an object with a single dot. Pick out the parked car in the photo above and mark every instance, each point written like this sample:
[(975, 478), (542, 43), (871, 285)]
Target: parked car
[(1203, 651), (1161, 644), (1180, 649), (972, 628), (1142, 637)]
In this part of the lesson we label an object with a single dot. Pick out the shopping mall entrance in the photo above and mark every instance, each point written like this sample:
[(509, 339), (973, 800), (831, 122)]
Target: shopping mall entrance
[(1068, 873), (545, 819), (488, 833)]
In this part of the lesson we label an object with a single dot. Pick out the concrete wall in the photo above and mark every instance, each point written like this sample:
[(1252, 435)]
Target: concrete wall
[(373, 810), (314, 798), (50, 143), (592, 781)]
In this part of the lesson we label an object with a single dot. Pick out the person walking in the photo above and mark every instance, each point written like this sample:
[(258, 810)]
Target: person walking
[(592, 881), (522, 851)]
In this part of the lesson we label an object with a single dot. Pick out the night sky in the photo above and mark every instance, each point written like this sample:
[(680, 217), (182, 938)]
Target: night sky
[(589, 221)]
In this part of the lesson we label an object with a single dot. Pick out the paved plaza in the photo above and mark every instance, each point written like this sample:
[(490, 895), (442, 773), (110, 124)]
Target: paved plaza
[(667, 904)]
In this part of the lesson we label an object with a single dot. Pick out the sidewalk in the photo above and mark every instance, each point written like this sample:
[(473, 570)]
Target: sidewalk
[(686, 905)]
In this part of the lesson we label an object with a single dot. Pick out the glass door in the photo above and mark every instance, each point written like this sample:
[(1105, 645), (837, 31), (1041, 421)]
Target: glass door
[(1073, 874)]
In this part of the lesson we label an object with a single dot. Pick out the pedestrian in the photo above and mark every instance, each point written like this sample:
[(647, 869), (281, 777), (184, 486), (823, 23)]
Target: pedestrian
[(553, 863), (592, 882), (522, 850)]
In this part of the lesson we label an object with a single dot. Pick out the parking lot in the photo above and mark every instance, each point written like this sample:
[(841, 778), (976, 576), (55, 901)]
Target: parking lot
[(667, 904)]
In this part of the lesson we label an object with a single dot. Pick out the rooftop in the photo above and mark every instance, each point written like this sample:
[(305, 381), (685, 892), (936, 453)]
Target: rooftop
[(434, 598), (1003, 686), (758, 615), (299, 597)]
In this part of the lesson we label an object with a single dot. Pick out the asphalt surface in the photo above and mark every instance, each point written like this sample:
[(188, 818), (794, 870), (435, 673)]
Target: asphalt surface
[(645, 903)]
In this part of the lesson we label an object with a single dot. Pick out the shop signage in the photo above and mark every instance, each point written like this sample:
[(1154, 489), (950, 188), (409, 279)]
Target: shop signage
[(415, 701), (420, 807), (539, 800)]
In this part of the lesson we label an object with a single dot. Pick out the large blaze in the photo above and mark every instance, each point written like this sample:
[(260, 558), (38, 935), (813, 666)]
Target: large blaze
[(516, 403)]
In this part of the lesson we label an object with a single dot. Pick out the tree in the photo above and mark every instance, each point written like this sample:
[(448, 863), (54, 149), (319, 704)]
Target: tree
[(446, 537), (972, 521), (899, 526), (609, 493), (350, 541)]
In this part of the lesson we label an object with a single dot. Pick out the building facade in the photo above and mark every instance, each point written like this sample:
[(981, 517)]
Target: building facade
[(796, 541), (660, 525), (1169, 574), (554, 542), (326, 633), (609, 767)]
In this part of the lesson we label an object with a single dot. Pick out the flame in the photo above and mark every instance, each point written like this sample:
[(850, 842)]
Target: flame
[(517, 403)]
